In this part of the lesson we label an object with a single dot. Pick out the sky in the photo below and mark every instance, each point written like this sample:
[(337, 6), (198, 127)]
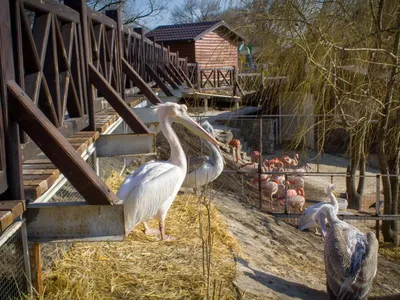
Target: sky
[(165, 20)]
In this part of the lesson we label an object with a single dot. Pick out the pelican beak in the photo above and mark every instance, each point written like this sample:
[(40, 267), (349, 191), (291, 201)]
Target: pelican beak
[(190, 124)]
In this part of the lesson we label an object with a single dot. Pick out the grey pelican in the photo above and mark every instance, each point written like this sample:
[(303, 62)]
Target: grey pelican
[(205, 169), (150, 190), (351, 257)]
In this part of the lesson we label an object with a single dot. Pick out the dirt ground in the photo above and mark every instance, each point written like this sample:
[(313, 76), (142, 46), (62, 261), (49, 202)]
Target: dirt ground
[(279, 261)]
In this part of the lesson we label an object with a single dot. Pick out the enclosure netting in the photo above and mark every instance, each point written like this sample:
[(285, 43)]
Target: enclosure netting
[(13, 283)]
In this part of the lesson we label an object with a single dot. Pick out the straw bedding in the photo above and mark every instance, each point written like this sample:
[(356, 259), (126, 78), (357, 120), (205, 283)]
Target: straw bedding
[(142, 267)]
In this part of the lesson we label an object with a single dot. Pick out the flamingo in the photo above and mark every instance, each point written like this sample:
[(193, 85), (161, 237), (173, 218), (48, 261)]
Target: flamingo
[(290, 162), (235, 144), (208, 168), (300, 172), (150, 190), (351, 257), (255, 158), (309, 217), (296, 198), (274, 163)]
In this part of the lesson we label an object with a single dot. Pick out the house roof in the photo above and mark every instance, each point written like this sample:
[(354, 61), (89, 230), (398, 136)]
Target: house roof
[(189, 31)]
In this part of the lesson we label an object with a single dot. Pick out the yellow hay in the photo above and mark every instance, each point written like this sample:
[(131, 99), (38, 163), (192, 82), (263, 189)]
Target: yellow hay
[(142, 267)]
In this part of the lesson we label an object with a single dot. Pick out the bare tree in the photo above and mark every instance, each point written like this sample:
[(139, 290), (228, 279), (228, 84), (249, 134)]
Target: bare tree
[(350, 49), (133, 11), (196, 11)]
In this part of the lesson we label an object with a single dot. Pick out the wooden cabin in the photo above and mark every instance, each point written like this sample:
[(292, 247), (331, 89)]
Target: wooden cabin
[(211, 44)]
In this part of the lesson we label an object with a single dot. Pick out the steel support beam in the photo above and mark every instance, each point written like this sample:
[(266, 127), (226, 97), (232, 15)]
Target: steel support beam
[(167, 78), (75, 221), (57, 148), (125, 144), (146, 114), (158, 81), (139, 82), (115, 100)]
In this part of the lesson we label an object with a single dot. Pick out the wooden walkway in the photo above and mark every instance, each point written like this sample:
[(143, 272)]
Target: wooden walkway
[(39, 174)]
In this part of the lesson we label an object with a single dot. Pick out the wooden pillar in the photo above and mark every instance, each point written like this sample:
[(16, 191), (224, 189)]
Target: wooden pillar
[(198, 76), (206, 104), (80, 6), (11, 130), (36, 268), (116, 16)]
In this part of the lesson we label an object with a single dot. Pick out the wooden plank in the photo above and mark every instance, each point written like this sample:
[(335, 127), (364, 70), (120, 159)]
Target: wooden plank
[(158, 80), (38, 166), (38, 161), (57, 149), (54, 172), (116, 101), (16, 207), (167, 78), (6, 219), (33, 192), (139, 82)]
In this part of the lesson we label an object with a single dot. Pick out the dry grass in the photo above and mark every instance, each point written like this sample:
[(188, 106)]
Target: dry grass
[(388, 251), (142, 267)]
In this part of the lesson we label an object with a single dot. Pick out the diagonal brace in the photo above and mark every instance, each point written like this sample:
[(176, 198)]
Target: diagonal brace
[(139, 82), (115, 100), (57, 148), (158, 81)]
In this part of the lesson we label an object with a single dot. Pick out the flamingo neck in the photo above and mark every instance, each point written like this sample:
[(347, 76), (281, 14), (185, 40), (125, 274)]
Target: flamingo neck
[(177, 156)]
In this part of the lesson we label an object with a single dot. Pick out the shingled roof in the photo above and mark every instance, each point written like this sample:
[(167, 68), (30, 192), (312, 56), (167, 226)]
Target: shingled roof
[(189, 31)]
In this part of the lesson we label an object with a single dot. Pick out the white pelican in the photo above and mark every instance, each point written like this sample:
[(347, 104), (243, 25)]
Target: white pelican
[(205, 169), (150, 190), (351, 257), (308, 218)]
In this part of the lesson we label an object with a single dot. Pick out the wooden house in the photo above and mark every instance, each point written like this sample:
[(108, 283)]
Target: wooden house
[(211, 44)]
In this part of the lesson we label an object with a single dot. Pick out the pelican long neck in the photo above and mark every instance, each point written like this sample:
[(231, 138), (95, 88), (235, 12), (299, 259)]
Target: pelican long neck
[(334, 201), (177, 156), (216, 157), (331, 216)]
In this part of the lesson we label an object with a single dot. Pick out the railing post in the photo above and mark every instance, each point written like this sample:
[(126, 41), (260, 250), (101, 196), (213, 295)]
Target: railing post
[(377, 204), (80, 6), (260, 167), (115, 14), (198, 79), (11, 131)]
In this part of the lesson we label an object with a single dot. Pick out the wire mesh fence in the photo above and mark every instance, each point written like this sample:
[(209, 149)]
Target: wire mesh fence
[(67, 193), (13, 280)]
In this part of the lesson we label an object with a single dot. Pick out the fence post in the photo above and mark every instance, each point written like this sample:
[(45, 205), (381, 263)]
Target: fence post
[(377, 204), (286, 192), (80, 6), (260, 166)]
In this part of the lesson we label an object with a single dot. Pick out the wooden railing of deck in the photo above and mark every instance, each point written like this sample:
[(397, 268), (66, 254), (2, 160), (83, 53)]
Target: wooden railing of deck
[(56, 59)]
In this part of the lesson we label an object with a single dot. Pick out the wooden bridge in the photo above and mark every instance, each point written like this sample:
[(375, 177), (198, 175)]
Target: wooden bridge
[(68, 74)]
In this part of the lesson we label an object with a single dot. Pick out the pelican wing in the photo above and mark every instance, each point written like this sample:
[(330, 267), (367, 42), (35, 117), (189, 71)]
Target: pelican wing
[(196, 163), (150, 190), (363, 266)]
